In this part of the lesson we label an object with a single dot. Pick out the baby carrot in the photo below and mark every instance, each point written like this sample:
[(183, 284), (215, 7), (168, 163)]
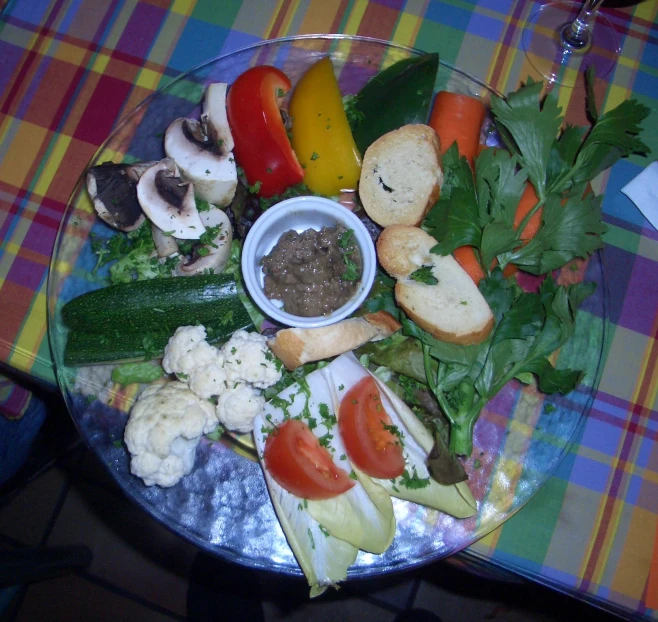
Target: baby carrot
[(526, 203), (467, 259), (458, 118)]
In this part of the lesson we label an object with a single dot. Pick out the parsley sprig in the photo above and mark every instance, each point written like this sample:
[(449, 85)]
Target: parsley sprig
[(479, 210)]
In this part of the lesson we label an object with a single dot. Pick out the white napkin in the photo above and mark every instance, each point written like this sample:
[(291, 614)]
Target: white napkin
[(643, 191)]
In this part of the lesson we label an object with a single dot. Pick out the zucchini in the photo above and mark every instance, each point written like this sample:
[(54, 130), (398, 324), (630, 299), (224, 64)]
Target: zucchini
[(132, 322), (156, 305)]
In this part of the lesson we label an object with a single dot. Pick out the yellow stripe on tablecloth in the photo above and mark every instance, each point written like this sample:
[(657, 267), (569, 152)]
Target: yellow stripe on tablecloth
[(618, 503), (616, 95), (22, 153), (100, 63), (148, 79), (407, 29), (646, 11), (70, 53), (319, 16), (287, 18), (273, 17), (183, 7), (634, 563), (31, 334), (355, 17), (53, 165)]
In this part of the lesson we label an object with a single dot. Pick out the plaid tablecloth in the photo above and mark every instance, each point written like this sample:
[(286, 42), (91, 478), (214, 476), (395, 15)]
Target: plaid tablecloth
[(71, 69)]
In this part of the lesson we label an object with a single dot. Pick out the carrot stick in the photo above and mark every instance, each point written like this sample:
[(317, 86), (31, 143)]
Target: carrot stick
[(526, 203), (458, 118), (467, 259)]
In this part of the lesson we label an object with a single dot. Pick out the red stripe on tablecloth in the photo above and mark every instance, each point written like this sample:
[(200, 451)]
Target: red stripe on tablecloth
[(31, 55), (510, 29), (278, 22), (102, 110), (340, 13), (637, 411)]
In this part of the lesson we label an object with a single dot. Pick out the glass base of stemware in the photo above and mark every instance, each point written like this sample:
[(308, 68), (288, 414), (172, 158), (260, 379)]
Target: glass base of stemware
[(555, 59)]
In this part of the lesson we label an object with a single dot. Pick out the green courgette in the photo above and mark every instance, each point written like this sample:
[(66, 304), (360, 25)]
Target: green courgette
[(156, 305), (134, 321), (397, 96)]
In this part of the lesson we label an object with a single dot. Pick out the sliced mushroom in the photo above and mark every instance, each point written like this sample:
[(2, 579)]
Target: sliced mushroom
[(201, 150), (165, 245), (113, 190), (169, 202), (215, 256), (214, 115)]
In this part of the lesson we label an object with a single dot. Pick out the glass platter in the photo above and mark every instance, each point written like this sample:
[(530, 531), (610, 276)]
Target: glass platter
[(223, 505)]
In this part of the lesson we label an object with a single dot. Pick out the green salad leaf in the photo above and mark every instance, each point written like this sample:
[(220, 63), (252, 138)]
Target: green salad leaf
[(529, 328)]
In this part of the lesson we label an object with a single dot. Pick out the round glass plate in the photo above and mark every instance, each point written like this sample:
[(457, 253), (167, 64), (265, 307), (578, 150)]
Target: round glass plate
[(223, 505)]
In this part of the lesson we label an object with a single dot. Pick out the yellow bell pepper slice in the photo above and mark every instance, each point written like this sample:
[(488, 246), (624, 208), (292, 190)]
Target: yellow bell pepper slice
[(321, 135)]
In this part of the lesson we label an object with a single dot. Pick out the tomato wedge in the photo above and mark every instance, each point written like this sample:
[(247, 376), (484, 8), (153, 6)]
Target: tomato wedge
[(366, 430), (299, 464)]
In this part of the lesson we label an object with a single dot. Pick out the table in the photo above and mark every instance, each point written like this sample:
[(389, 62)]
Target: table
[(70, 70)]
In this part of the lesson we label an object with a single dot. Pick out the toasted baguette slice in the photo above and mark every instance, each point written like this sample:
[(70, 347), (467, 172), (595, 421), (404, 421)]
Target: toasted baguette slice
[(453, 310), (401, 176), (296, 346)]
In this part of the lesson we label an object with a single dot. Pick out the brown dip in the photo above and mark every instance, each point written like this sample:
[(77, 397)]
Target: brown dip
[(313, 272)]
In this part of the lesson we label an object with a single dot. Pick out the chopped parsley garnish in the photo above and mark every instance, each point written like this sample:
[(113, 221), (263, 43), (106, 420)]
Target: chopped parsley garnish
[(327, 418), (351, 272), (314, 156), (324, 531), (201, 204), (352, 475), (413, 481), (345, 239), (424, 275)]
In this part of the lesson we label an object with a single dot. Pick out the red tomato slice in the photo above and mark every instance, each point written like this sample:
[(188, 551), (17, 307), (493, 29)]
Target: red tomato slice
[(298, 463), (362, 422)]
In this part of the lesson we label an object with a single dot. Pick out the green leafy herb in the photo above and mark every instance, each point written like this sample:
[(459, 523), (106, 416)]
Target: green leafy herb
[(424, 275), (314, 156), (354, 115), (479, 211), (346, 239), (529, 328), (201, 204), (413, 481), (351, 272)]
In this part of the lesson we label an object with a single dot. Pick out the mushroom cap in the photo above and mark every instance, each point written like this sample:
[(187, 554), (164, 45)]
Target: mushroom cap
[(207, 165), (169, 202), (113, 190)]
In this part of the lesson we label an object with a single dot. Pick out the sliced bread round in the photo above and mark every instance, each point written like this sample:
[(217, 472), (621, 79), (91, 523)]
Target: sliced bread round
[(452, 309), (401, 176)]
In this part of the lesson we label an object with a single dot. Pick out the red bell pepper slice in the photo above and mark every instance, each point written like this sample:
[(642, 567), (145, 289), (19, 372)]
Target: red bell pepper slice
[(262, 147)]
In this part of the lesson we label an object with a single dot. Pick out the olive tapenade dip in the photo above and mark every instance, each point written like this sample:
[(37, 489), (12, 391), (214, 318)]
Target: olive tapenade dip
[(313, 272)]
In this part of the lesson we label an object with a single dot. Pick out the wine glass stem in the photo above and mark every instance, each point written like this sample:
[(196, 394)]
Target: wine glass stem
[(577, 35)]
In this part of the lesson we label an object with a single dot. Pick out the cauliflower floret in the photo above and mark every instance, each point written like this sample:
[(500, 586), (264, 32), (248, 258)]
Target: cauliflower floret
[(210, 379), (188, 350), (163, 431), (238, 406), (248, 359)]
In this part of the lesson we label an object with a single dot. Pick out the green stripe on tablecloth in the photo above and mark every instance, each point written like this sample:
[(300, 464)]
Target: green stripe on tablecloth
[(529, 536)]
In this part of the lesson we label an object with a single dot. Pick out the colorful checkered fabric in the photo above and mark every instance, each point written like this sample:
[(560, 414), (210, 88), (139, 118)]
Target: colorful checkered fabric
[(70, 70)]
